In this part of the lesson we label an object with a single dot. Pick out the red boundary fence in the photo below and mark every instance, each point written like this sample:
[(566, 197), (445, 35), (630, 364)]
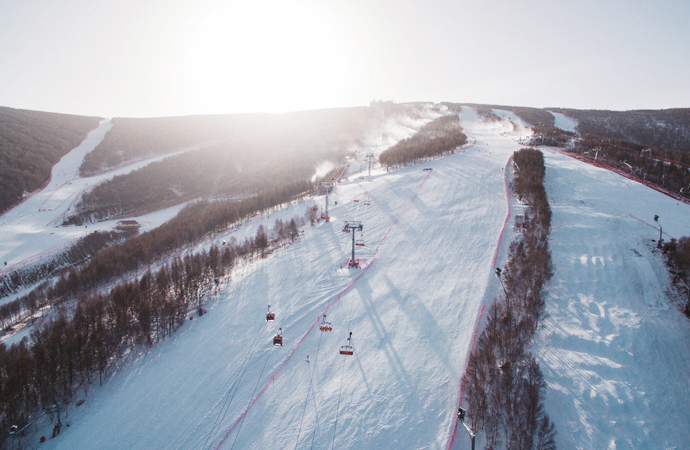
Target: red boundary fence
[(481, 308), (627, 175)]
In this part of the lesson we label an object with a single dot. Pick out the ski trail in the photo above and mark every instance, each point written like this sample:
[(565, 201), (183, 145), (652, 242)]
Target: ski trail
[(316, 322), (481, 310)]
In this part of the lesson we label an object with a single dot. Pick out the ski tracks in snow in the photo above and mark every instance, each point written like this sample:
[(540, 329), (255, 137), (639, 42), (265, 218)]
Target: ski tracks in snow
[(333, 302)]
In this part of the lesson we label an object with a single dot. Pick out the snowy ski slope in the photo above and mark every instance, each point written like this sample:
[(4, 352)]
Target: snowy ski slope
[(430, 240), (613, 352), (31, 230)]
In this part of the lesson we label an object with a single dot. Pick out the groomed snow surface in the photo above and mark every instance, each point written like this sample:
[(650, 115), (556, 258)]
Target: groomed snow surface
[(430, 238), (564, 122), (613, 352)]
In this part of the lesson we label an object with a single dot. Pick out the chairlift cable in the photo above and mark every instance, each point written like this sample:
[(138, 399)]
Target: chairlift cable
[(256, 386), (234, 387), (337, 410), (309, 389)]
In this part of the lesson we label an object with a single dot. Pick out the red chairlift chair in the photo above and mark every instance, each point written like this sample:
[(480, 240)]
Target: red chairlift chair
[(278, 338), (347, 348), (325, 326)]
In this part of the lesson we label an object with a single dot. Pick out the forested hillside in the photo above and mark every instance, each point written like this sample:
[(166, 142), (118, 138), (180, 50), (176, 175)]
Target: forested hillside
[(239, 156), (30, 143), (667, 128), (436, 138), (132, 139), (536, 117)]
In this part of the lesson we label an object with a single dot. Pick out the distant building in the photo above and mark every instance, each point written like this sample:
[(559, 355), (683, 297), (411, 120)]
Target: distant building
[(126, 225)]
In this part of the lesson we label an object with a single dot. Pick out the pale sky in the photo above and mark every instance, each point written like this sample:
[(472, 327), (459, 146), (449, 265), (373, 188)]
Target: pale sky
[(137, 58)]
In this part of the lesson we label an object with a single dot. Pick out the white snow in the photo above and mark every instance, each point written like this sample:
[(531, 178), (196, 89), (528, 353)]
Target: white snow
[(564, 122), (614, 354), (31, 230), (430, 240), (613, 351), (512, 125)]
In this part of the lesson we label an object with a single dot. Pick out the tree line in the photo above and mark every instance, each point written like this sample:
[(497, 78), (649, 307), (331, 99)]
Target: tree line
[(505, 385), (439, 137), (668, 169), (552, 136), (536, 117), (678, 260), (31, 142), (665, 128), (197, 221), (230, 162), (132, 139), (74, 255), (84, 342)]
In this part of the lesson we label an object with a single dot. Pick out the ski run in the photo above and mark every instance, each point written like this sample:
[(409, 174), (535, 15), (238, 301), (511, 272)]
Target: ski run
[(613, 350)]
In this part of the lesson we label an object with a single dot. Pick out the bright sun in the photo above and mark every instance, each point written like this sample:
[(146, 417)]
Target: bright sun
[(261, 57)]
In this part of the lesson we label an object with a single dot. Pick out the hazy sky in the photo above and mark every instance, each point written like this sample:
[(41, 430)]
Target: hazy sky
[(172, 57)]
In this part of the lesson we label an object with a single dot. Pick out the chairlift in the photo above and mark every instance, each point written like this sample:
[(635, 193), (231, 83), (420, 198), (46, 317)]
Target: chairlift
[(278, 338), (347, 348), (346, 230), (270, 315), (360, 242), (325, 326)]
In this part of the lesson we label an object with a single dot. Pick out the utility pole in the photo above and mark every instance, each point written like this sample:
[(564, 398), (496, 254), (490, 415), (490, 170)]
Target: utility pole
[(656, 219), (351, 227), (498, 275), (470, 431)]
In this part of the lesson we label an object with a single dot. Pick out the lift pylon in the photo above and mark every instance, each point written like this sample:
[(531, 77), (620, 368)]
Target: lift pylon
[(370, 158), (351, 227)]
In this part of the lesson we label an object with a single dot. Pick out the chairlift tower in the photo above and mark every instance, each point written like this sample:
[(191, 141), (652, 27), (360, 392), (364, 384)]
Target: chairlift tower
[(370, 158), (328, 186), (351, 227)]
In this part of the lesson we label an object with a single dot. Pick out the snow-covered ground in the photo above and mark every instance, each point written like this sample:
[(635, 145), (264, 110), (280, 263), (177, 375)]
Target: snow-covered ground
[(430, 239), (612, 350), (564, 122), (31, 231), (512, 125)]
